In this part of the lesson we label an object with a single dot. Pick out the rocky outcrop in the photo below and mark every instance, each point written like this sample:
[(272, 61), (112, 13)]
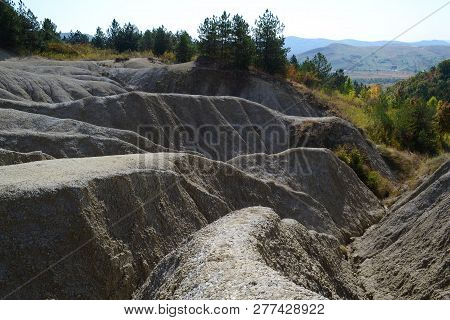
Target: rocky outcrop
[(332, 132), (405, 256), (320, 174), (59, 81), (197, 79), (253, 254), (63, 138), (85, 91), (120, 216), (8, 157), (219, 128), (32, 83)]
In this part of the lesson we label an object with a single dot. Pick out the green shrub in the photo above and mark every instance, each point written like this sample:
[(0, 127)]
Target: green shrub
[(415, 127), (351, 155)]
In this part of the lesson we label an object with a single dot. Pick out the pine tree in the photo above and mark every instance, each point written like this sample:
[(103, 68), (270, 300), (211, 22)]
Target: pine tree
[(337, 80), (99, 40), (163, 41), (243, 49), (269, 41), (321, 66), (147, 41), (225, 25), (29, 37), (77, 37), (128, 38), (293, 61), (208, 34), (184, 49), (48, 31), (307, 66), (10, 27), (113, 35)]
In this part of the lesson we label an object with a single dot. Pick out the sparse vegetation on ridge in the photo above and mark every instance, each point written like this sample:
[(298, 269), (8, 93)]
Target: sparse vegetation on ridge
[(371, 178), (67, 51)]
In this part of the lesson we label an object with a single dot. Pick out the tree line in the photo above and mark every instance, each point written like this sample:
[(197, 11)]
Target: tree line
[(231, 42), (20, 30), (228, 40), (128, 38), (317, 73)]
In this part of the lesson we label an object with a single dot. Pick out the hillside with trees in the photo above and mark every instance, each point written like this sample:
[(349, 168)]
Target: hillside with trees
[(413, 114)]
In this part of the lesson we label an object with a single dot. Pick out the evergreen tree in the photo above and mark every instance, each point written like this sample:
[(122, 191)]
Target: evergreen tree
[(348, 86), (225, 25), (337, 80), (184, 49), (48, 31), (99, 40), (243, 49), (321, 66), (163, 41), (30, 27), (307, 66), (358, 87), (77, 37), (208, 34), (113, 35), (10, 27), (269, 41), (128, 38), (293, 61), (147, 41)]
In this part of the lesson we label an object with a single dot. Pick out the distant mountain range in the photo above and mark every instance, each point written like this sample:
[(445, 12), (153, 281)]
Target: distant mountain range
[(376, 58), (299, 45)]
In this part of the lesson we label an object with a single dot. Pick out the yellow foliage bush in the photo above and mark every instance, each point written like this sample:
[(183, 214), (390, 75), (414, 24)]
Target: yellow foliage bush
[(168, 57)]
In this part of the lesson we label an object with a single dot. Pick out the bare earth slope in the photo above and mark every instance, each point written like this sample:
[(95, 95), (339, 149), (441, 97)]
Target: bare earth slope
[(124, 213), (199, 121), (25, 81), (253, 254), (65, 138), (191, 78), (324, 177), (187, 181), (406, 255), (8, 157)]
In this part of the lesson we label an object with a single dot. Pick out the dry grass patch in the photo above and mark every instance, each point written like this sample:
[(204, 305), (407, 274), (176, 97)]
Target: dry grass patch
[(66, 51)]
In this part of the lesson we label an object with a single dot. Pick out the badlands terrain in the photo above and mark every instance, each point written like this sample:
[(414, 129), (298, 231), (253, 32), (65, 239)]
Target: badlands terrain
[(134, 179)]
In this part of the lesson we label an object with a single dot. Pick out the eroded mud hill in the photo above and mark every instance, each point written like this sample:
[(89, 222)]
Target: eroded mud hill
[(253, 254), (406, 255), (254, 208), (219, 128), (127, 212)]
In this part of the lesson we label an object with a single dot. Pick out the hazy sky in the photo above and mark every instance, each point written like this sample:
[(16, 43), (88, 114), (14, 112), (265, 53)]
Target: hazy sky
[(356, 19)]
